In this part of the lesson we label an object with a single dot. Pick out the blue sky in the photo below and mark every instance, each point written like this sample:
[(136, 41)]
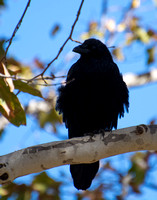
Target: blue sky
[(33, 39)]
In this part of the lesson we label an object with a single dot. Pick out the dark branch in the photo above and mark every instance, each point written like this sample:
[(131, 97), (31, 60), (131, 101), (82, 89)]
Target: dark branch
[(69, 38), (15, 30), (61, 48)]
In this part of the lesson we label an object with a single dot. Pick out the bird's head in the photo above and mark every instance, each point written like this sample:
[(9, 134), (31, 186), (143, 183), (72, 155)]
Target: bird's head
[(94, 48)]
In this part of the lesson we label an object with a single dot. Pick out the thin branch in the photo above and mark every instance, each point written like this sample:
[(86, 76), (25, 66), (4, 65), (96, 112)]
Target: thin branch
[(49, 78), (47, 84), (30, 80), (75, 41), (69, 38), (16, 29), (132, 80), (61, 48), (37, 79)]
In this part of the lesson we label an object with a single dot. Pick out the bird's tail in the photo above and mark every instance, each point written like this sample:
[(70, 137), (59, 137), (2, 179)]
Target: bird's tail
[(83, 174)]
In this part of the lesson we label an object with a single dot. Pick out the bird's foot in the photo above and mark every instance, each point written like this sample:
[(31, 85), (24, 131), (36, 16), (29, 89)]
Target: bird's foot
[(99, 131), (95, 132), (103, 131), (89, 134)]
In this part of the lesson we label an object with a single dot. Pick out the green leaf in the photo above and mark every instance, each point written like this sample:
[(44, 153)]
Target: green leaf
[(14, 191), (24, 87), (2, 52), (130, 39), (150, 52), (46, 187), (1, 2), (50, 117), (10, 106), (138, 170), (117, 52)]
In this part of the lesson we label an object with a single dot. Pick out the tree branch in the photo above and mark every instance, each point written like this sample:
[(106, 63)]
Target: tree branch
[(16, 29), (69, 38), (61, 49), (134, 80), (86, 149)]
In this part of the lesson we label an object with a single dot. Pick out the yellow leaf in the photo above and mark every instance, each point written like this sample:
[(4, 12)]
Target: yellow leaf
[(142, 34), (5, 106), (8, 81), (121, 27), (118, 53), (135, 3), (10, 106)]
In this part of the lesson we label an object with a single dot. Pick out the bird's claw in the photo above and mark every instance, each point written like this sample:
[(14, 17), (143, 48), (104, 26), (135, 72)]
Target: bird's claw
[(89, 134)]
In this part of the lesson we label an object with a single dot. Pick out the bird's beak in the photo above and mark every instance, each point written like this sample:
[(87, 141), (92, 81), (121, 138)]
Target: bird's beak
[(81, 49)]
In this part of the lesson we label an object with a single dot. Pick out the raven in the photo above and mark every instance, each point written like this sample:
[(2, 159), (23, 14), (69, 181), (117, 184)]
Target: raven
[(93, 98)]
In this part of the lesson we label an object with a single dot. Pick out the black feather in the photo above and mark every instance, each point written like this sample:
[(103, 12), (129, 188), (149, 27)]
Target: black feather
[(93, 98)]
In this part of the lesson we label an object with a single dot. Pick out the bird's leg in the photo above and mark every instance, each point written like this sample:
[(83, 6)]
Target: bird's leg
[(89, 134), (103, 131), (98, 131), (92, 133)]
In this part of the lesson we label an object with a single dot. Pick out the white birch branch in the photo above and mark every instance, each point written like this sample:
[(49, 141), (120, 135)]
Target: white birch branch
[(134, 80), (86, 149)]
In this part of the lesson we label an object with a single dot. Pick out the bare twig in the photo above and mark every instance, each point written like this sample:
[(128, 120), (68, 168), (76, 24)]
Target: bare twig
[(16, 29), (30, 80), (132, 80), (75, 41), (37, 79), (48, 65), (69, 38), (47, 85)]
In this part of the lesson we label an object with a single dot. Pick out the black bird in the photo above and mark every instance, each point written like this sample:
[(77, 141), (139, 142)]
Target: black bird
[(93, 98)]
